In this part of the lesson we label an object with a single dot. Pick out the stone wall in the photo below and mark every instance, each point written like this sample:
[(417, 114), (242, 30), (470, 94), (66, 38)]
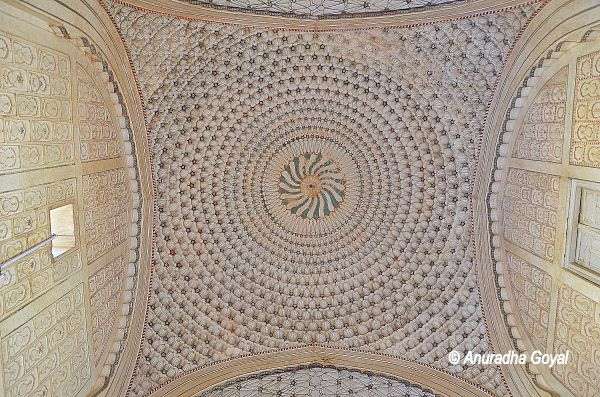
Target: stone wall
[(552, 297), (61, 142)]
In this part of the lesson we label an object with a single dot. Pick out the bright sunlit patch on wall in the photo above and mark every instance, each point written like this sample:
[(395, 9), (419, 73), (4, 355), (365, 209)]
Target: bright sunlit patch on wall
[(63, 226)]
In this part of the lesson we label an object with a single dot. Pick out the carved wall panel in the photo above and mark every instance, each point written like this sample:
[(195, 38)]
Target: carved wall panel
[(106, 286), (587, 250), (544, 226), (578, 331), (48, 355), (530, 288), (106, 202), (541, 134), (24, 215), (98, 133), (585, 138), (35, 105), (24, 222), (530, 211), (62, 124), (590, 208)]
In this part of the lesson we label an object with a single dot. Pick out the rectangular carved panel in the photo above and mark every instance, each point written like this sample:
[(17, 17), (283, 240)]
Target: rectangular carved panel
[(36, 128), (97, 126), (23, 223), (530, 211), (578, 331), (585, 137), (589, 213), (48, 355), (530, 288), (541, 134), (588, 235), (106, 199), (106, 286), (587, 249)]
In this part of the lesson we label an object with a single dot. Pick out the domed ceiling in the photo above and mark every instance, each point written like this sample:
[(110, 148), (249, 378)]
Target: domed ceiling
[(314, 188), (320, 8)]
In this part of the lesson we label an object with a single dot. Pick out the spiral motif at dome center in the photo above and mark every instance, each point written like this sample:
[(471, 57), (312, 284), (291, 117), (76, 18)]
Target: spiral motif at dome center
[(311, 186), (311, 183)]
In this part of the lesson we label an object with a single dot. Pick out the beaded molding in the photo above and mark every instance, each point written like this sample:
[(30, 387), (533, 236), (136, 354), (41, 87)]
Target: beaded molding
[(128, 295)]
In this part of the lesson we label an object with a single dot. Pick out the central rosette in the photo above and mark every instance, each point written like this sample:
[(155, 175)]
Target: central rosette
[(312, 186)]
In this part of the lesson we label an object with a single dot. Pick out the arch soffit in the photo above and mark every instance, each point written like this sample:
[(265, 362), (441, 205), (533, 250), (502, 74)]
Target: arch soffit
[(430, 15), (440, 382)]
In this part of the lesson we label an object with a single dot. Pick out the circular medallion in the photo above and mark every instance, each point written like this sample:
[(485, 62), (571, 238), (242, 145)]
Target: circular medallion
[(311, 186)]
